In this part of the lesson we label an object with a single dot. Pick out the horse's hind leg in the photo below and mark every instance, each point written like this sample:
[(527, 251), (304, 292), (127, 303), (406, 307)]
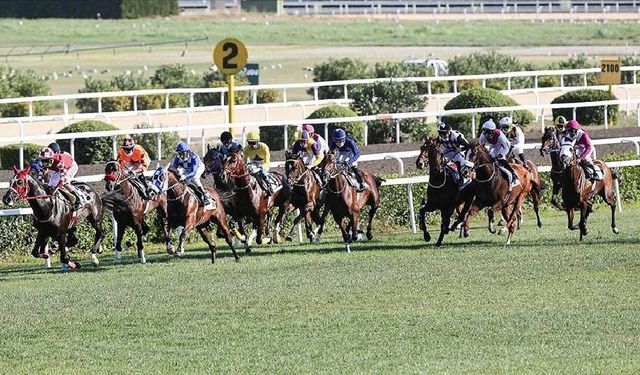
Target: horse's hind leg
[(119, 233), (221, 221), (346, 236), (139, 244), (64, 254), (372, 213), (96, 223), (608, 195), (206, 236), (282, 210), (323, 220), (570, 219), (422, 222), (296, 221), (445, 217)]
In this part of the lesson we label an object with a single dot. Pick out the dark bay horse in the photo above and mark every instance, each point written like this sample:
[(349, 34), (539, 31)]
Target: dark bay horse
[(345, 202), (577, 189), (184, 210), (551, 145), (442, 193), (492, 190), (252, 202), (53, 215), (129, 208), (305, 196)]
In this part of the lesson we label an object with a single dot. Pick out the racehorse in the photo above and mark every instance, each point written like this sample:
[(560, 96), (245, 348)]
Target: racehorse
[(551, 145), (492, 190), (577, 190), (184, 210), (251, 201), (54, 217), (442, 193), (306, 193), (345, 202), (128, 206)]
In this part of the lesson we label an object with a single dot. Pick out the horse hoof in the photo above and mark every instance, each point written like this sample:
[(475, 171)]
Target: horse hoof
[(316, 239), (539, 224), (288, 239), (369, 236), (426, 236), (502, 231), (247, 250), (94, 260), (238, 260), (615, 230)]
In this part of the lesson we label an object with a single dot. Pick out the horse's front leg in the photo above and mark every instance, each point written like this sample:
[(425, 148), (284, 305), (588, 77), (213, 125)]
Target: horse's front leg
[(40, 249), (96, 223), (346, 237), (445, 217), (296, 221), (181, 239), (119, 235), (323, 220), (64, 254), (582, 224), (220, 219), (282, 210), (570, 219), (139, 244), (422, 222), (355, 218)]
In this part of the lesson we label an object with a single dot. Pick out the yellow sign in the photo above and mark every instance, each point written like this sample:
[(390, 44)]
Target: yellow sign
[(610, 72), (230, 56)]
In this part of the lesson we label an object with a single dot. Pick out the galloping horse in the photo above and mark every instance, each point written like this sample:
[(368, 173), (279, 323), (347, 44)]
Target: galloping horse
[(492, 190), (577, 188), (442, 193), (345, 202), (551, 145), (251, 201), (128, 206), (305, 195), (184, 210), (54, 216)]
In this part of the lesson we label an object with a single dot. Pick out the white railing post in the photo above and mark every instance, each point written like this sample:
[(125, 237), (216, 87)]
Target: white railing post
[(72, 147), (315, 93), (286, 136), (192, 102), (561, 80), (159, 146), (202, 140), (366, 132), (616, 185), (114, 147), (135, 103), (65, 107), (535, 82), (326, 131), (606, 117), (574, 113), (99, 105), (397, 131), (166, 101), (584, 79), (30, 108), (346, 92), (473, 125), (284, 95)]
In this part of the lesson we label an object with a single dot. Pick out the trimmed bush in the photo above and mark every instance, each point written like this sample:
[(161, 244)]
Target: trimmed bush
[(114, 104), (587, 115), (627, 77), (23, 84), (89, 150), (354, 129), (579, 62), (399, 70), (397, 97), (479, 98), (149, 141), (336, 70), (10, 154)]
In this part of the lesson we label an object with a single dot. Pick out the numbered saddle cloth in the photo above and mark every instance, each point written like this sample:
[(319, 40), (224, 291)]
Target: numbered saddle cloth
[(138, 185), (274, 182), (81, 192)]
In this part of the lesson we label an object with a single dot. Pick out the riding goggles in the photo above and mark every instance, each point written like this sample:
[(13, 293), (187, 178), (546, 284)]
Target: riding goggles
[(252, 143)]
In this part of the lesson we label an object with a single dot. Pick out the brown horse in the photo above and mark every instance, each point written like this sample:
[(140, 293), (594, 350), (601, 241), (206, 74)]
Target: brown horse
[(54, 217), (442, 193), (577, 190), (345, 202), (551, 145), (184, 210), (305, 195), (252, 202), (129, 208), (492, 190)]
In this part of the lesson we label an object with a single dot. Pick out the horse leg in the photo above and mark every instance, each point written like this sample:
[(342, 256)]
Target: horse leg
[(97, 239), (422, 213), (323, 220), (282, 210), (355, 217), (221, 221), (346, 237), (139, 244), (570, 219), (490, 219), (583, 221), (64, 254), (296, 221), (206, 236), (445, 221), (372, 212), (536, 207), (247, 246), (514, 217), (119, 235), (181, 238), (40, 249), (308, 225), (609, 195)]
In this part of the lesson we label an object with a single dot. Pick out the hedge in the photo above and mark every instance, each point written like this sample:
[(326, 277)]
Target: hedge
[(479, 98), (587, 115), (10, 154), (337, 70), (355, 129), (89, 150), (17, 83)]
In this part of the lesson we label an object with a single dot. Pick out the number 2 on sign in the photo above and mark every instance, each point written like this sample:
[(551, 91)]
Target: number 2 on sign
[(231, 51), (610, 68)]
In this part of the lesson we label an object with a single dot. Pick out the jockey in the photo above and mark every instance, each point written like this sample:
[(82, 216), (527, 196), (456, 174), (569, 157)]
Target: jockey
[(453, 144), (192, 169), (324, 146), (257, 154), (310, 150), (37, 164), (583, 146), (516, 137), (499, 147), (64, 168), (134, 158), (348, 152), (228, 144)]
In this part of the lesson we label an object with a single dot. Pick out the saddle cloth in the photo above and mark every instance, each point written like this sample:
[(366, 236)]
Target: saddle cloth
[(84, 196), (506, 173), (138, 185), (274, 182)]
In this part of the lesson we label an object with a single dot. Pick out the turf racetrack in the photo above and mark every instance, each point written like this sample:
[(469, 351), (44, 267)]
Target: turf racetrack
[(548, 304)]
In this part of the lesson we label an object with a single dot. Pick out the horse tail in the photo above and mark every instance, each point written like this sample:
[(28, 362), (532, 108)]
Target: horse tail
[(379, 180)]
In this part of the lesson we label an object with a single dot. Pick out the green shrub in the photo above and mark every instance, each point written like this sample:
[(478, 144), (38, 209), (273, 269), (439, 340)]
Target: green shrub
[(217, 79), (128, 82), (398, 97), (89, 150), (23, 84), (268, 96), (587, 115), (149, 141), (173, 76), (148, 8), (336, 70), (10, 154), (629, 177), (114, 104), (400, 70), (486, 63), (579, 62), (627, 77), (273, 136), (355, 129), (479, 98)]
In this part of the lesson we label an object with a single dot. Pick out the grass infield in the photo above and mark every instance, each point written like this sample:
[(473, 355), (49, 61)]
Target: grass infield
[(548, 304)]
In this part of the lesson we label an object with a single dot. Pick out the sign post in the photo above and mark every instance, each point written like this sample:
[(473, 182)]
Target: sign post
[(610, 73), (230, 56)]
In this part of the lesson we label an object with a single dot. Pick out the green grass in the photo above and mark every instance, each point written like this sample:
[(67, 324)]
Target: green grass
[(548, 304)]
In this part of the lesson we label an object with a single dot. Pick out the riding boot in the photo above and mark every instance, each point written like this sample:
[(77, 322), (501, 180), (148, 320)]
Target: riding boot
[(204, 197), (362, 186), (515, 181), (264, 184), (145, 187), (71, 196)]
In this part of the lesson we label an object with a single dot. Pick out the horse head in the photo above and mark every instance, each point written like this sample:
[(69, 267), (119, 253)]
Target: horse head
[(213, 160), (112, 175), (567, 155), (549, 140), (18, 186), (234, 165), (294, 166), (429, 153), (478, 154)]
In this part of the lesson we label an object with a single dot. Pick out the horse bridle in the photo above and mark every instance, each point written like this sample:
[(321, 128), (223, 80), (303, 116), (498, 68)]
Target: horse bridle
[(297, 181)]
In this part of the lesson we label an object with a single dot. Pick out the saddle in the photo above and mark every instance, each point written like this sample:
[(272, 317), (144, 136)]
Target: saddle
[(505, 173), (351, 178), (138, 185), (451, 168), (592, 171)]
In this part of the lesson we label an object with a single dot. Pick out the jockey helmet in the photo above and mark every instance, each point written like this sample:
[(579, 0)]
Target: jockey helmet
[(560, 122), (339, 134), (443, 129), (488, 127), (309, 128), (55, 147), (46, 156), (182, 147), (226, 137), (573, 124), (303, 136), (505, 122), (128, 143), (36, 165), (253, 137)]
